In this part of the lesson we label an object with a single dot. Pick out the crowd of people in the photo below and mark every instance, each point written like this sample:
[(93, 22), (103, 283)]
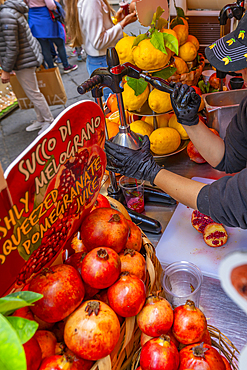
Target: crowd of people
[(30, 37)]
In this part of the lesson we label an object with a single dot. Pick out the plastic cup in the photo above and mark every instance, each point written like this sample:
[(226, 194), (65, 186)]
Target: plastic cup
[(236, 83), (125, 6), (182, 280), (207, 74), (133, 191)]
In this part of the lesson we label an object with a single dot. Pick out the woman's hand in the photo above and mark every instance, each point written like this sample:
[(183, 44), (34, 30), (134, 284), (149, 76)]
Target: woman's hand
[(130, 18)]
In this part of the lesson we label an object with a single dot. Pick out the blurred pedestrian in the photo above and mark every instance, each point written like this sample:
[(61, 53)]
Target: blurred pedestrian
[(90, 23), (46, 31), (20, 52)]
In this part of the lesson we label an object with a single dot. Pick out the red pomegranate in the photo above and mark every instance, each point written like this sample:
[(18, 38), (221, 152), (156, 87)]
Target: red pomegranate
[(189, 323), (92, 331), (33, 354), (133, 262), (105, 227), (101, 202), (200, 357), (199, 221), (47, 342), (134, 240), (25, 313), (227, 363), (159, 354), (62, 289), (156, 317), (127, 295), (101, 267), (57, 362)]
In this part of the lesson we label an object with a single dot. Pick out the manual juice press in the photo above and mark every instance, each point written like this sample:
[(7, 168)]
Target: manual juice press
[(112, 77)]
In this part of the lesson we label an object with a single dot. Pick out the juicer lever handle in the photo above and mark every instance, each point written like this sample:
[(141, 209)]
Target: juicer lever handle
[(158, 83), (90, 84)]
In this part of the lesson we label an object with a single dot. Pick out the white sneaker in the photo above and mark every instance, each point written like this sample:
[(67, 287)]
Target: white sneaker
[(44, 127), (34, 126)]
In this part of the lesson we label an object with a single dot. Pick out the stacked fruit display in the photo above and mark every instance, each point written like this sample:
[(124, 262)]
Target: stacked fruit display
[(171, 54), (176, 339), (90, 301)]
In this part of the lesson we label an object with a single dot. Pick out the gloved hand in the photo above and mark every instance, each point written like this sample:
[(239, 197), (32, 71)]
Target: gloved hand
[(139, 163), (185, 103)]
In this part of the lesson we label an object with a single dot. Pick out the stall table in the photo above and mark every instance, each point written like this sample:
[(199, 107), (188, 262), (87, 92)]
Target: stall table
[(218, 308)]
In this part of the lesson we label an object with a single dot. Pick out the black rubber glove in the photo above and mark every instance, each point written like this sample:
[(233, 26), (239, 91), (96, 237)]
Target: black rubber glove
[(139, 163), (185, 103)]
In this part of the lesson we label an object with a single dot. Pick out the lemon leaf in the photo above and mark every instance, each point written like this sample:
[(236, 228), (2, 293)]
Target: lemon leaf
[(157, 15), (139, 38), (138, 86), (157, 41), (171, 42), (161, 23), (165, 73)]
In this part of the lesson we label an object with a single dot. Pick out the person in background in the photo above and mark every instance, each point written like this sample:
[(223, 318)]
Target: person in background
[(21, 52), (89, 23), (46, 31), (225, 200)]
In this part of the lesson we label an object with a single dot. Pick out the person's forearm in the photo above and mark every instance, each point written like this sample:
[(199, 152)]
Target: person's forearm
[(182, 189), (210, 146)]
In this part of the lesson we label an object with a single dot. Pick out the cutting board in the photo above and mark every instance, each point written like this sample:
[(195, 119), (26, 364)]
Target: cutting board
[(182, 242)]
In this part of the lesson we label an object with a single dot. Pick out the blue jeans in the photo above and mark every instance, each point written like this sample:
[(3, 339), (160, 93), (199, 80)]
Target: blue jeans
[(93, 63), (46, 51)]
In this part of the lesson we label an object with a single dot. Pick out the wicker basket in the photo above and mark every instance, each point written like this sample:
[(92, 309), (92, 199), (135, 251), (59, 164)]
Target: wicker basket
[(190, 78), (219, 341), (129, 341)]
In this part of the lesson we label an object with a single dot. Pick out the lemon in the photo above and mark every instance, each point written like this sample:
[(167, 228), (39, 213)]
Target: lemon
[(162, 120), (182, 33), (123, 48), (194, 41), (173, 122), (141, 127), (181, 65), (164, 140), (131, 101), (148, 58), (159, 101), (187, 52)]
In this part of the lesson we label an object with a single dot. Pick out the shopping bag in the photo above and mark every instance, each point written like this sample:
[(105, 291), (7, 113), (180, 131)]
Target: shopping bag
[(50, 84)]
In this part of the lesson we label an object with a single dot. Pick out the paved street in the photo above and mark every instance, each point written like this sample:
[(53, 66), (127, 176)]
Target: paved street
[(13, 136)]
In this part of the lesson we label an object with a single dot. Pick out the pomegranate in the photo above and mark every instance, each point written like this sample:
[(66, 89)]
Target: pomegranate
[(43, 325), (57, 362), (47, 342), (62, 290), (127, 295), (206, 338), (92, 331), (156, 317), (33, 354), (75, 260), (134, 240), (159, 354), (199, 221), (133, 262), (101, 267), (189, 323), (105, 227), (25, 313), (101, 202), (200, 357), (227, 363), (215, 235), (58, 330)]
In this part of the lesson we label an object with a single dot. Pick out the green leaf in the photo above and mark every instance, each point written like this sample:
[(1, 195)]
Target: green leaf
[(165, 73), (12, 354), (157, 15), (13, 301), (171, 42), (24, 328), (139, 38), (157, 41), (180, 12), (138, 86), (161, 23)]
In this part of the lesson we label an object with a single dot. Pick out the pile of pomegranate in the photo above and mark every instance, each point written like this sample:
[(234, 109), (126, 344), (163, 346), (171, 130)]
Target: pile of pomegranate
[(87, 297)]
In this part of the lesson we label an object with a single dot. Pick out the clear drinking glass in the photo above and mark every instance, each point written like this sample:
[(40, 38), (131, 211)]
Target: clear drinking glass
[(182, 280), (133, 191), (124, 4)]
